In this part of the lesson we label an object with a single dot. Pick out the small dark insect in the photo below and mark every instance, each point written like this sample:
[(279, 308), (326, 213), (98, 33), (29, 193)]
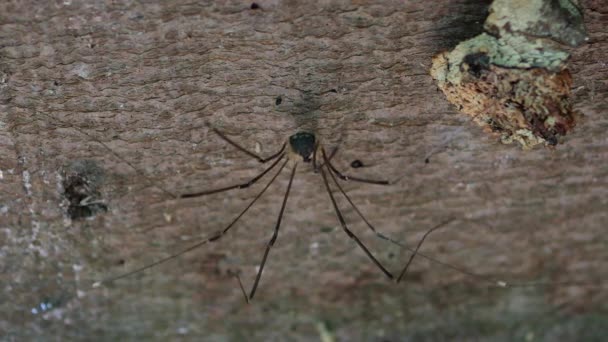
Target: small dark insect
[(300, 147)]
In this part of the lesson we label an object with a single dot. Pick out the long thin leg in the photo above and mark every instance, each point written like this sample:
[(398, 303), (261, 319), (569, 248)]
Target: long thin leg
[(234, 186), (238, 279), (274, 235), (331, 155), (483, 278), (347, 231), (213, 238), (246, 151), (442, 224), (347, 177), (352, 204), (415, 250), (118, 156)]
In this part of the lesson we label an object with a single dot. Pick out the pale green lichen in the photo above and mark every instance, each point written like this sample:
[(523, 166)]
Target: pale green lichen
[(524, 137), (558, 20), (513, 79), (509, 52)]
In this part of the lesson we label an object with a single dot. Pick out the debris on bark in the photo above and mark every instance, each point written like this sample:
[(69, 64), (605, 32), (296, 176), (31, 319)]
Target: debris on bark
[(82, 180), (513, 80)]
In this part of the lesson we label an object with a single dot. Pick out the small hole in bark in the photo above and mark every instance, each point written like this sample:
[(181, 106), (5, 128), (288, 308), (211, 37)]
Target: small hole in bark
[(356, 164), (254, 6), (477, 63), (333, 91), (55, 83), (427, 160), (278, 101)]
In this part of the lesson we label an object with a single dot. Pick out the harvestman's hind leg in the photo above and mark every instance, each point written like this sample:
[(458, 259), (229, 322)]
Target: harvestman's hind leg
[(235, 186), (246, 151), (274, 235), (213, 238), (347, 231), (415, 251)]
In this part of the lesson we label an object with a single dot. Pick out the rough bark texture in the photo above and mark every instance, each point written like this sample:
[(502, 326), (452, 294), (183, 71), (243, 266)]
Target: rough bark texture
[(106, 102)]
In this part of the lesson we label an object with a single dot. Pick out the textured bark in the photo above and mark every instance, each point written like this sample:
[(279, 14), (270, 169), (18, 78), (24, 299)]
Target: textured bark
[(107, 102)]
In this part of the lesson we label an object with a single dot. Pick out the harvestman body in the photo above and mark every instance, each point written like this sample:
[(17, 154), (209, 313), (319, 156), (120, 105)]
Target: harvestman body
[(302, 145)]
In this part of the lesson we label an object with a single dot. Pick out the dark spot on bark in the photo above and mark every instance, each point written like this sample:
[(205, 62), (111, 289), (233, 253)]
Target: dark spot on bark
[(121, 262), (254, 6), (55, 83), (333, 91), (427, 160), (476, 63), (356, 164), (278, 101), (81, 183)]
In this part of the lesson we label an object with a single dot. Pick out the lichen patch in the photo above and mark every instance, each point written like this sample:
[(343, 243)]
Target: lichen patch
[(515, 82)]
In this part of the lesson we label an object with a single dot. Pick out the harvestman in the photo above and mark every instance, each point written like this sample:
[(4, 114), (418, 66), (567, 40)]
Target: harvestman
[(302, 145)]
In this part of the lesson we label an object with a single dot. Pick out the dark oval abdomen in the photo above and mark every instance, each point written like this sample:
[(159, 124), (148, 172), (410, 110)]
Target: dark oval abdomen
[(303, 143)]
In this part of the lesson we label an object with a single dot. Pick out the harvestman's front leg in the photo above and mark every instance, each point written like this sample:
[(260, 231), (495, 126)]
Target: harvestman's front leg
[(250, 182), (236, 186), (246, 151)]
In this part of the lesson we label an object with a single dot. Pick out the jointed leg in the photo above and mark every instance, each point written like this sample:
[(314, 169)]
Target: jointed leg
[(215, 237), (346, 177), (369, 225), (347, 231), (331, 155), (246, 151), (234, 186), (442, 224), (274, 235)]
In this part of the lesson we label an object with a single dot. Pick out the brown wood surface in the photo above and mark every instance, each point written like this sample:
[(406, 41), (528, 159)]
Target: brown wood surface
[(130, 85)]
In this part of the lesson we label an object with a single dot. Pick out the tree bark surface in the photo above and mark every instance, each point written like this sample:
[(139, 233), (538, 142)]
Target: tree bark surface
[(108, 105)]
